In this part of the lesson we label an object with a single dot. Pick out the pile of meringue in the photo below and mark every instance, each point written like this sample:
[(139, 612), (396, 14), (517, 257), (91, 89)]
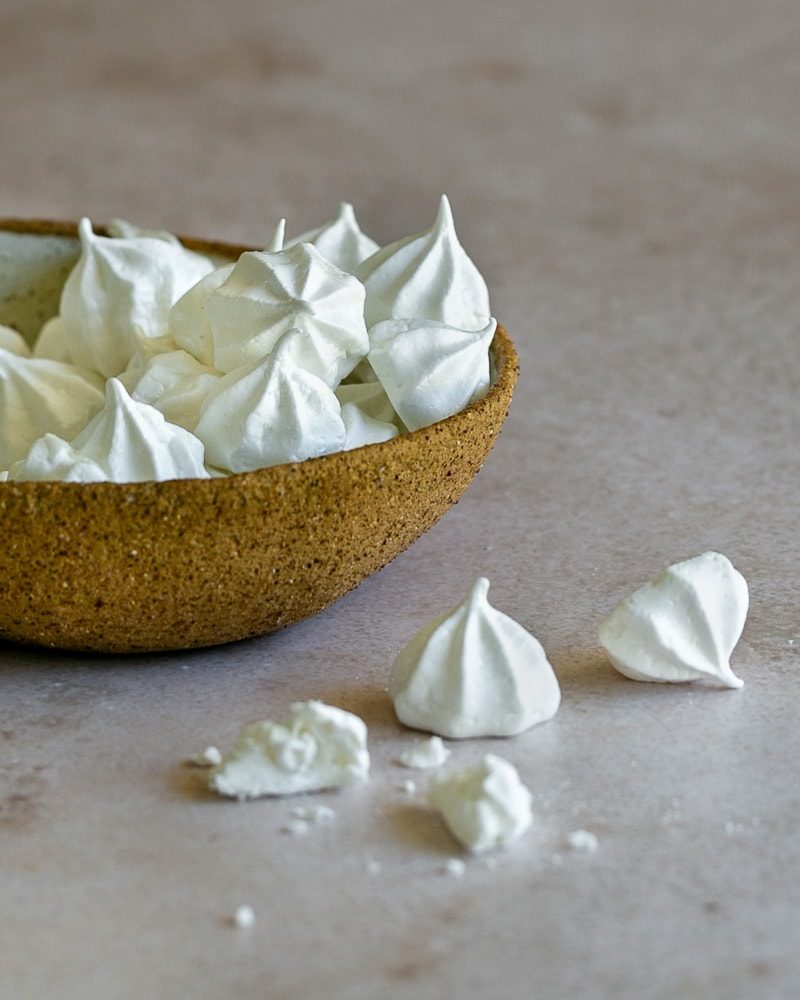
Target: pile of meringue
[(162, 365), (475, 672)]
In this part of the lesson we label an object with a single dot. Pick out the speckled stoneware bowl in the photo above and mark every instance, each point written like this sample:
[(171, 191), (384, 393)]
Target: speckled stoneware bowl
[(154, 566)]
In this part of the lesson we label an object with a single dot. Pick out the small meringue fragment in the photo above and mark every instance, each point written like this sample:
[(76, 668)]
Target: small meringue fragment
[(426, 276), (341, 240), (429, 370), (268, 294), (484, 806), (210, 757), (583, 841), (681, 627), (473, 672), (425, 754), (270, 411), (317, 747), (13, 342), (119, 283), (130, 442), (244, 916), (175, 383), (39, 396)]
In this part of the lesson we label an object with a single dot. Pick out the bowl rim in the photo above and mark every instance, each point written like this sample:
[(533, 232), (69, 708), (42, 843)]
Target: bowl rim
[(506, 374)]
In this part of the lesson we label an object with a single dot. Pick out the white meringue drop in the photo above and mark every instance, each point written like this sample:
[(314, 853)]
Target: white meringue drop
[(39, 396), (317, 747), (132, 442), (371, 398), (426, 276), (682, 626), (188, 322), (175, 383), (124, 230), (270, 411), (118, 284), (268, 294), (361, 429), (430, 371), (53, 341), (341, 240), (50, 459), (473, 672), (484, 806), (13, 342)]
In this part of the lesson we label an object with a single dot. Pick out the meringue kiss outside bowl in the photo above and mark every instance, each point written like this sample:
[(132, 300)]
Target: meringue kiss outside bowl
[(114, 567)]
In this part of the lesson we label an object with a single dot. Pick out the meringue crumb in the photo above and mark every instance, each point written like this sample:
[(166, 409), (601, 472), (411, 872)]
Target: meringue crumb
[(584, 841), (373, 867), (244, 916), (425, 754), (409, 787), (454, 867), (318, 815), (296, 827), (210, 757)]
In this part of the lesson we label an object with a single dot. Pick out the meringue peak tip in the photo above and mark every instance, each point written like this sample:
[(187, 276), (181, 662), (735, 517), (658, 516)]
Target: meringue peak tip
[(346, 212), (85, 231), (444, 217), (480, 589), (279, 235)]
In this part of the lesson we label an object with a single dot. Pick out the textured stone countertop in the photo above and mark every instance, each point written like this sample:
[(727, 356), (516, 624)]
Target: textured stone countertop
[(627, 176)]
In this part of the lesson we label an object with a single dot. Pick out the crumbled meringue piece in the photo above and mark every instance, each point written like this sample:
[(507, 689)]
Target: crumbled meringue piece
[(210, 757), (682, 626), (39, 396), (454, 867), (484, 806), (430, 371), (473, 672), (53, 341), (52, 459), (425, 754), (318, 747), (175, 383), (268, 294), (118, 284), (270, 411), (13, 342), (583, 841), (317, 815), (130, 442), (361, 430), (426, 276), (341, 240), (244, 916)]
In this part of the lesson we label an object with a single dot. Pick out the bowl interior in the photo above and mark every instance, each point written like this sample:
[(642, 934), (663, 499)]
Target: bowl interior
[(138, 567)]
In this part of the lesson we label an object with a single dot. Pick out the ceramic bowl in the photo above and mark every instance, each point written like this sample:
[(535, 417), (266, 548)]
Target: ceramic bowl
[(113, 567)]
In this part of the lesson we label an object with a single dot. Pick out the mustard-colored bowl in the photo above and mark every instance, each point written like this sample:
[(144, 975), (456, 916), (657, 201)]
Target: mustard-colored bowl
[(169, 565)]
